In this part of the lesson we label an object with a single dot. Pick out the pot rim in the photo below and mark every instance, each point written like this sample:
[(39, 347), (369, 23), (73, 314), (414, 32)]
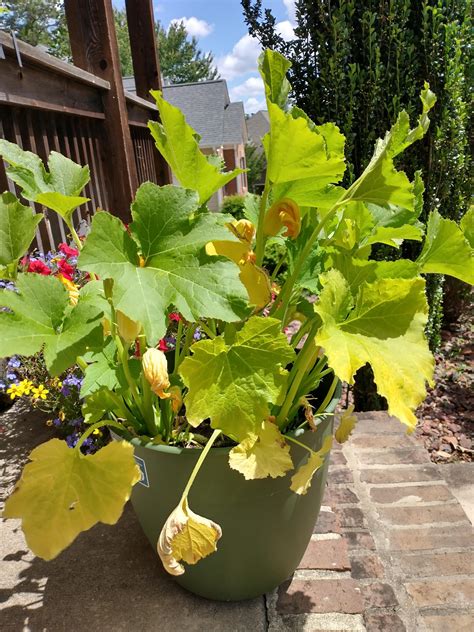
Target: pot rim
[(171, 449)]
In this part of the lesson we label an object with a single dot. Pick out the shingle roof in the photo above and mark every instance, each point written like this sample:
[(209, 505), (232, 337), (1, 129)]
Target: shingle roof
[(207, 108)]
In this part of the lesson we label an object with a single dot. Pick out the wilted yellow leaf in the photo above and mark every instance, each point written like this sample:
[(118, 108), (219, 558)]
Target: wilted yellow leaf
[(346, 425), (62, 492), (186, 537), (263, 454), (301, 479)]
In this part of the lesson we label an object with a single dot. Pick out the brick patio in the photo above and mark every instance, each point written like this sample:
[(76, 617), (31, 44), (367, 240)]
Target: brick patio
[(392, 550)]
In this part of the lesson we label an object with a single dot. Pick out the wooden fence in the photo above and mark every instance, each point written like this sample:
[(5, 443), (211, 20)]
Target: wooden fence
[(47, 104)]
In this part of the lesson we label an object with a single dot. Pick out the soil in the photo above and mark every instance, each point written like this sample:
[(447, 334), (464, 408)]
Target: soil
[(446, 418)]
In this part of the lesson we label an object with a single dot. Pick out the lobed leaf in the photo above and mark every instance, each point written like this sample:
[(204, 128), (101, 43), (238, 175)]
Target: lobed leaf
[(17, 228)]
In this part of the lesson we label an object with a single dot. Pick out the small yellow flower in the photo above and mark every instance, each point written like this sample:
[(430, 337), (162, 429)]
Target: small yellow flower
[(61, 415), (243, 229), (40, 392), (14, 391), (25, 387), (56, 382), (155, 370), (97, 432), (49, 422), (71, 287)]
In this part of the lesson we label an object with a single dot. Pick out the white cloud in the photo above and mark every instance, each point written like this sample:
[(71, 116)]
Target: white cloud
[(194, 26), (254, 105), (290, 9), (251, 87), (285, 29), (241, 60)]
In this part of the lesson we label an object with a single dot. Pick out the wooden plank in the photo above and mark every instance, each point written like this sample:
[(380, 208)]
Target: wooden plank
[(37, 57), (141, 29), (40, 89), (94, 49)]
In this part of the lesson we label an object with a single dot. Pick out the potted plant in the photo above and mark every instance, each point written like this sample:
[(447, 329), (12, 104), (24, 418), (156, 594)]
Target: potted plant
[(237, 425)]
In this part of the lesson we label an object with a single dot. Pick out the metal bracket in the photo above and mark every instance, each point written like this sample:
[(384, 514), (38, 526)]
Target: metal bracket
[(17, 50)]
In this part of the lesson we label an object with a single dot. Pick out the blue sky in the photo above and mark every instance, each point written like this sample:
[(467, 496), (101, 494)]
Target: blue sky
[(219, 27)]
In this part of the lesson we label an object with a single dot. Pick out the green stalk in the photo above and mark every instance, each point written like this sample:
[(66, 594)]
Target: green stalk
[(207, 330), (300, 367), (302, 445), (82, 363), (305, 327), (277, 267), (148, 407), (260, 239), (75, 236), (123, 356), (178, 343), (187, 343), (329, 395), (199, 463), (99, 424)]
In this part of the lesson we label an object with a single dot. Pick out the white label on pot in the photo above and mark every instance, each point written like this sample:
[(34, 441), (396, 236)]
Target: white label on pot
[(144, 476)]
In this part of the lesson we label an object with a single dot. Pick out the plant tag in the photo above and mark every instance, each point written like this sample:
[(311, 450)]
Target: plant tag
[(143, 473)]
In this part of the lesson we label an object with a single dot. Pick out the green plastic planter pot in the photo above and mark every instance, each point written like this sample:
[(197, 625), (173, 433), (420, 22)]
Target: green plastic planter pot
[(265, 526)]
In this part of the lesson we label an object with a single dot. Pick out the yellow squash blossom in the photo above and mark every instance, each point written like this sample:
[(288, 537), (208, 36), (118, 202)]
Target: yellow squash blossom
[(128, 329), (155, 370), (71, 287), (240, 252), (284, 213)]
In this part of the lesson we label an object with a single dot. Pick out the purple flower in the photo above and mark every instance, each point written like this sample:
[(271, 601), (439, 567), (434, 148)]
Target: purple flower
[(72, 439), (72, 380), (7, 285), (13, 363), (197, 334), (2, 386), (66, 391), (56, 422), (76, 422)]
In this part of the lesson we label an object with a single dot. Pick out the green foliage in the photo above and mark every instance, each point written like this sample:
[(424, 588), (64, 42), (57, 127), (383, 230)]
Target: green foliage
[(372, 60), (234, 205), (17, 228), (256, 165), (178, 143), (233, 379)]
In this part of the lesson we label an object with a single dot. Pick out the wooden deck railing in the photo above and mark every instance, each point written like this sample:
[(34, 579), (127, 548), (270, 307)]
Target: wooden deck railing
[(47, 104)]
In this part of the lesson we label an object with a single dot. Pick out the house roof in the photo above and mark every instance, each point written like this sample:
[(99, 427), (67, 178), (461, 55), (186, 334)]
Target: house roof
[(208, 109)]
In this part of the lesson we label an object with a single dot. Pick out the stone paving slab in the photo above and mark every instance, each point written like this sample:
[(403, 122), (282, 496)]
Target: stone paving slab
[(392, 551)]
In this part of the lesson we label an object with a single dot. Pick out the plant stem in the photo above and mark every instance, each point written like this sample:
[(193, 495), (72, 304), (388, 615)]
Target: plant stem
[(207, 330), (306, 326), (82, 363), (276, 270), (123, 356), (187, 343), (260, 240), (302, 445), (329, 395), (178, 343), (306, 356), (199, 462), (99, 424), (75, 237)]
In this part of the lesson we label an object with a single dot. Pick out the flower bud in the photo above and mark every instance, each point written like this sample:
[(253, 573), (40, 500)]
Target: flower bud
[(286, 213), (128, 329), (176, 398), (106, 327), (155, 370), (243, 229)]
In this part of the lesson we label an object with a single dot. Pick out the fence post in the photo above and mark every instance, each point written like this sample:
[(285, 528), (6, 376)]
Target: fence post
[(146, 64), (94, 48)]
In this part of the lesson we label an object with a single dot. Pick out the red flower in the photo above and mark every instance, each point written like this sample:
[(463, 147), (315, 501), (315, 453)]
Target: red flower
[(68, 251), (175, 316), (66, 269), (39, 267), (162, 345)]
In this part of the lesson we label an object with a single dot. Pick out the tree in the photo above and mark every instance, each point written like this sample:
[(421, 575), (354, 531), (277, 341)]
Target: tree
[(256, 165), (180, 58), (359, 63), (38, 22)]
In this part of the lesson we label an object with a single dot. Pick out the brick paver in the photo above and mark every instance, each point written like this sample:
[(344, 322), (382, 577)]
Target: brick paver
[(392, 551)]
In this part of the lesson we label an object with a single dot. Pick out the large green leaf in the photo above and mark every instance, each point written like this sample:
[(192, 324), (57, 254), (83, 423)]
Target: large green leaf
[(273, 68), (384, 329), (381, 183), (62, 492), (58, 188), (234, 381), (467, 226), (178, 143), (40, 314), (296, 149), (17, 228), (446, 250), (175, 270)]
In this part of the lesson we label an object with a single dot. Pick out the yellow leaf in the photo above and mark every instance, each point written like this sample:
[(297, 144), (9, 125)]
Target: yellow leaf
[(62, 492), (256, 283), (301, 479), (186, 537), (346, 425), (263, 454)]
